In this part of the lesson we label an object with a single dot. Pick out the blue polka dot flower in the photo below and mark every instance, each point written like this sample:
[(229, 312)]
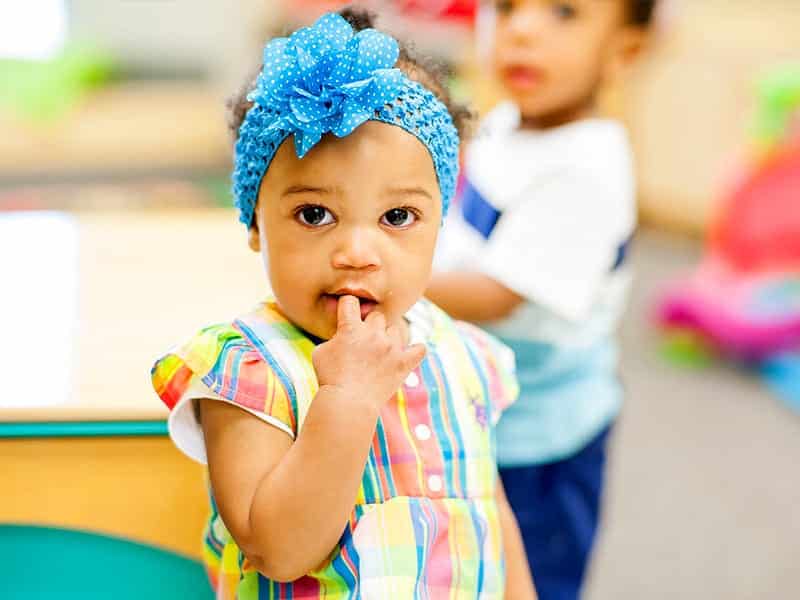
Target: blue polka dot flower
[(326, 78)]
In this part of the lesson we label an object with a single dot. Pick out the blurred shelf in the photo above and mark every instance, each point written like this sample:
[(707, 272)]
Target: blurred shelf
[(137, 126)]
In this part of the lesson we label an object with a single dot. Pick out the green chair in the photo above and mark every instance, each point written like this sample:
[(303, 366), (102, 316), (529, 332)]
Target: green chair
[(61, 564)]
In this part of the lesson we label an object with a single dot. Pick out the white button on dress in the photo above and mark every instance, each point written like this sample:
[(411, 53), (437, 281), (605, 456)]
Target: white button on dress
[(423, 432), (412, 380), (435, 483)]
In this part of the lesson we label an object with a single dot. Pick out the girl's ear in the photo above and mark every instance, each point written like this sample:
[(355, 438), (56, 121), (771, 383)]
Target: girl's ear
[(624, 49), (253, 239)]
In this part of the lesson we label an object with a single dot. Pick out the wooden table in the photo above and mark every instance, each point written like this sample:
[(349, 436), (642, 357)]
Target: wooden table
[(97, 298)]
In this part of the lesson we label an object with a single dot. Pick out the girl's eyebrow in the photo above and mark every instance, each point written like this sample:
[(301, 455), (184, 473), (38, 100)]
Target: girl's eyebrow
[(410, 191), (306, 189)]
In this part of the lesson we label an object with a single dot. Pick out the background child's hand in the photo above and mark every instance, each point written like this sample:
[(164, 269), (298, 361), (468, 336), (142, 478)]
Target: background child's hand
[(366, 359)]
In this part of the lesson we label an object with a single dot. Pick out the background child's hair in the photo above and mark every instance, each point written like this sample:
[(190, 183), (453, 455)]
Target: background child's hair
[(642, 11), (416, 68)]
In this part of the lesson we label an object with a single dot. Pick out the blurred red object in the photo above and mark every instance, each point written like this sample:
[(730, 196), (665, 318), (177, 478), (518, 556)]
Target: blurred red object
[(463, 10), (759, 225)]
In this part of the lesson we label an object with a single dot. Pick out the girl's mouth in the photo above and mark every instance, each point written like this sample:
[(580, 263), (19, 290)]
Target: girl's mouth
[(366, 301), (521, 77)]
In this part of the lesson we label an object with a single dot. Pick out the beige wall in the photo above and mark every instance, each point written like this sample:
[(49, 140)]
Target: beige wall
[(689, 105)]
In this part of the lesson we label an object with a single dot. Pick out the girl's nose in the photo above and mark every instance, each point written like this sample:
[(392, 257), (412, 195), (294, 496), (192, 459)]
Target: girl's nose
[(356, 249), (526, 23)]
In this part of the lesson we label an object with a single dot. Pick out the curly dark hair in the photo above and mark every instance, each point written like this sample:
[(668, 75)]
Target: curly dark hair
[(425, 71)]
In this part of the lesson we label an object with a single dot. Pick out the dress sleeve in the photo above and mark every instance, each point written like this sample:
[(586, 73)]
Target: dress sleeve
[(219, 363), (498, 366)]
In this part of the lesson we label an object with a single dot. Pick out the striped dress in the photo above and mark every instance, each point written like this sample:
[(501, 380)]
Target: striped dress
[(425, 523)]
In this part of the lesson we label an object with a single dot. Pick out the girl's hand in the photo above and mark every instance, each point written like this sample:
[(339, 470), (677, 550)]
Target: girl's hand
[(366, 360)]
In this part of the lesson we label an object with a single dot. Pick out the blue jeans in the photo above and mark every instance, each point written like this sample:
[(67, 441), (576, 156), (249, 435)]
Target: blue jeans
[(557, 506)]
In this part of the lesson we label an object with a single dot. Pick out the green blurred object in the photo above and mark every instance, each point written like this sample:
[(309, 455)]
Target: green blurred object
[(779, 105), (686, 348), (44, 91), (219, 188), (38, 563)]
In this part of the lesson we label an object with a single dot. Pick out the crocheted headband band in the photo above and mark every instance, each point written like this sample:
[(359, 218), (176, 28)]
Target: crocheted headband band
[(327, 78)]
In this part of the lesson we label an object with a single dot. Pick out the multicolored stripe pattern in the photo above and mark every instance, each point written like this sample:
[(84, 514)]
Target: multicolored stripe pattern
[(425, 523)]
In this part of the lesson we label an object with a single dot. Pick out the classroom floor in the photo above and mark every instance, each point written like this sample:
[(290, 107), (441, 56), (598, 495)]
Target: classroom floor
[(704, 493)]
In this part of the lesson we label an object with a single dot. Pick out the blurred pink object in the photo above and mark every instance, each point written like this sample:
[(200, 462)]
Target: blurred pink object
[(744, 297), (750, 316)]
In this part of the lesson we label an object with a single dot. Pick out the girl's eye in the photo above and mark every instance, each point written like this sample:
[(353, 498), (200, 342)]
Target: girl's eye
[(504, 7), (564, 10), (399, 217), (314, 216)]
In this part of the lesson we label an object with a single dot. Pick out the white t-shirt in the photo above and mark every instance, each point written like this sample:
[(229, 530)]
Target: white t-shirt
[(566, 199), (550, 214)]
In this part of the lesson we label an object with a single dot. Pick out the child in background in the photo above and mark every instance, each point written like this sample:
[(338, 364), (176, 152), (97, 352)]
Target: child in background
[(347, 423), (537, 253)]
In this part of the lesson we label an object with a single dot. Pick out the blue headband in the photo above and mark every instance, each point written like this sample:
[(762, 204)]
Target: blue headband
[(326, 78)]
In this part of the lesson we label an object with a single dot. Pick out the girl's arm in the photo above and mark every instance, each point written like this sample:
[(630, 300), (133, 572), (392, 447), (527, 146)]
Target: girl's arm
[(287, 503), (519, 583), (472, 296)]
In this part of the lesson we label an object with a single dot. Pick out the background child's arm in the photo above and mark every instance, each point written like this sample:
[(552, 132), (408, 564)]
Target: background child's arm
[(519, 583), (472, 296), (287, 503)]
